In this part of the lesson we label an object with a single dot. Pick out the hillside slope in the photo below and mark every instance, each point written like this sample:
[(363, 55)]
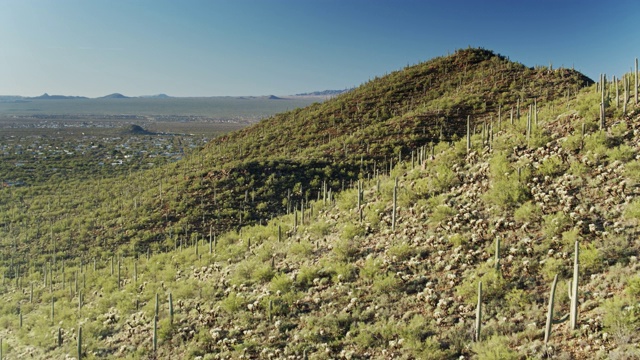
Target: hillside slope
[(272, 167), (362, 132), (388, 268)]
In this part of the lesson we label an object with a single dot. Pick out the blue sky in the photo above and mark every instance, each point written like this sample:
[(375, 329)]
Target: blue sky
[(281, 47)]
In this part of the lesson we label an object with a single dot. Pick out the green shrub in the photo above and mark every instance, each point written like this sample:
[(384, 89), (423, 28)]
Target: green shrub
[(386, 283), (347, 200), (494, 286), (518, 299), (507, 190), (232, 303), (622, 153), (441, 213), (443, 178), (507, 193), (373, 213), (572, 143), (370, 268), (320, 228), (282, 283), (250, 271), (419, 339), (554, 224), (596, 142), (377, 334), (588, 106), (577, 168), (458, 239), (346, 249), (494, 348), (401, 252), (590, 259), (632, 211), (306, 274), (345, 272), (351, 230), (632, 171), (262, 273), (553, 266), (633, 287), (619, 130), (569, 238), (301, 249), (527, 212), (620, 316), (551, 166)]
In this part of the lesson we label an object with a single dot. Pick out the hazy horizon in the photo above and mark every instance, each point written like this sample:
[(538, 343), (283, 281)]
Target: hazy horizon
[(160, 95), (284, 47)]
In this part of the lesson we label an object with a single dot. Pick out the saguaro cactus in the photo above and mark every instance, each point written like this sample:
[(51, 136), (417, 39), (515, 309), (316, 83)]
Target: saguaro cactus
[(393, 209), (210, 240), (468, 133), (573, 290), (157, 306), (497, 254), (636, 83), (547, 329), (170, 309), (478, 313), (155, 333), (119, 272), (80, 343)]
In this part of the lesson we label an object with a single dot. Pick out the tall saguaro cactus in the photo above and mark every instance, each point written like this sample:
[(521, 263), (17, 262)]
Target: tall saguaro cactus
[(547, 329), (468, 133), (636, 83), (80, 343), (497, 254), (155, 333), (573, 293), (478, 313), (170, 309), (394, 209)]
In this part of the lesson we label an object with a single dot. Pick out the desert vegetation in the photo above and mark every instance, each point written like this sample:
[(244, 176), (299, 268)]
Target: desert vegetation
[(466, 206)]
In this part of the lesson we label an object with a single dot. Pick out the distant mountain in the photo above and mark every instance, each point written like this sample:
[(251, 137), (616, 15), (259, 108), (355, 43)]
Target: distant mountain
[(11, 98), (46, 96), (114, 96), (324, 93), (158, 96), (273, 97)]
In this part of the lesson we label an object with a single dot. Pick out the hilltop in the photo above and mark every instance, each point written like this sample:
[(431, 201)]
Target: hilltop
[(114, 96), (363, 232), (136, 130)]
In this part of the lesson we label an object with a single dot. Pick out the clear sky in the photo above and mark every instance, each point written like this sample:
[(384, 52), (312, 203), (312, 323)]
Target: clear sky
[(282, 47)]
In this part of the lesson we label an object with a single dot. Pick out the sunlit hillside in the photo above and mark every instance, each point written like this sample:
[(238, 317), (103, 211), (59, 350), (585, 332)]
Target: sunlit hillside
[(430, 213)]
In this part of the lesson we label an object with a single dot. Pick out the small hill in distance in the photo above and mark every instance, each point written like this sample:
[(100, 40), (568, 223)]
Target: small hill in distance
[(46, 96), (157, 96), (134, 129), (114, 96)]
